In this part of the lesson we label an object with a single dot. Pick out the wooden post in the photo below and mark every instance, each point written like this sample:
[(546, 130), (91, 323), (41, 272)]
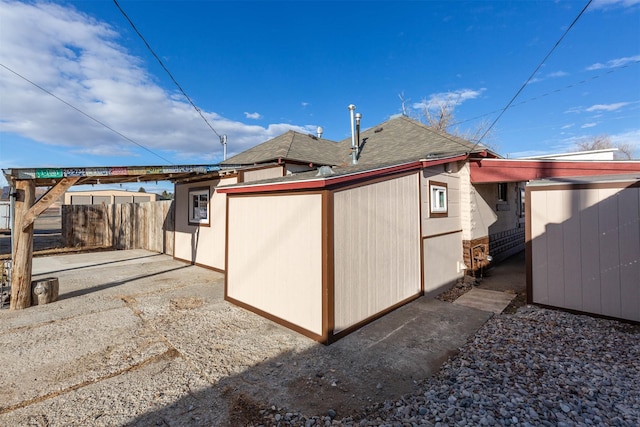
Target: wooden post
[(22, 247)]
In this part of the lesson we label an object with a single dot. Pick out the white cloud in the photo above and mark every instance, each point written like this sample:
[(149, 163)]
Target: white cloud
[(601, 4), (614, 63), (451, 98), (569, 126), (254, 116), (80, 60), (607, 107), (588, 125), (305, 104), (557, 74)]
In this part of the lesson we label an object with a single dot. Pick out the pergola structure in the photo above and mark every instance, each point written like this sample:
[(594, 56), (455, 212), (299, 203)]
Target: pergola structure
[(25, 209)]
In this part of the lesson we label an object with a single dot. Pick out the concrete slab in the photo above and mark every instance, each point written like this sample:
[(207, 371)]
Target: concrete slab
[(485, 300), (138, 338)]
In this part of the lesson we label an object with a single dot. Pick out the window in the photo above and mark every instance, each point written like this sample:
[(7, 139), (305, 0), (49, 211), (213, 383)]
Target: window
[(199, 206), (438, 199), (502, 192)]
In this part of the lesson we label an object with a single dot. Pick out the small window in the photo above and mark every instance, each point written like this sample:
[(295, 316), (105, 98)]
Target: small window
[(521, 195), (438, 199), (199, 206), (502, 192)]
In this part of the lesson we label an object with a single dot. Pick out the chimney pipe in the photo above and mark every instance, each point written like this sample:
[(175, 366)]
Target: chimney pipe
[(354, 158), (320, 131), (358, 117)]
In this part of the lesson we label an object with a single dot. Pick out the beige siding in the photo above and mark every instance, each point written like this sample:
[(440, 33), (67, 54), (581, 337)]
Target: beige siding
[(442, 255), (263, 173), (442, 245), (275, 256), (200, 244), (376, 247), (586, 250), (433, 226)]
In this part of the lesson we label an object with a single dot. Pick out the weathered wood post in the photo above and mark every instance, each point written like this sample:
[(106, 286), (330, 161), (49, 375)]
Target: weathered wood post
[(22, 247)]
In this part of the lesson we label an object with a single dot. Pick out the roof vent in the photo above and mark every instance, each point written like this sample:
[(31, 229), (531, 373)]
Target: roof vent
[(320, 131), (378, 130), (324, 171)]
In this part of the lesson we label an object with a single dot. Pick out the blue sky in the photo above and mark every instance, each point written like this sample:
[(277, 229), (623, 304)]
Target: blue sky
[(258, 69)]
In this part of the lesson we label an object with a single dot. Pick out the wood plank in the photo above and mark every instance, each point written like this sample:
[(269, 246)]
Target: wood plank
[(540, 285), (629, 241), (556, 206), (609, 252), (572, 251), (590, 251), (23, 247)]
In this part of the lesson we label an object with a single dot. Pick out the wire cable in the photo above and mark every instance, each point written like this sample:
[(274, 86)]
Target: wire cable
[(535, 98), (534, 73), (164, 67), (86, 115)]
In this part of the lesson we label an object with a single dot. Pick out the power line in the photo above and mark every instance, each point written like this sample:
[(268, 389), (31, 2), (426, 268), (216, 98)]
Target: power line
[(165, 68), (532, 74), (570, 86), (85, 114)]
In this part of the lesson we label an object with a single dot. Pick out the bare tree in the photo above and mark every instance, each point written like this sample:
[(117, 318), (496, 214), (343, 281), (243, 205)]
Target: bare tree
[(403, 104), (439, 115), (602, 142)]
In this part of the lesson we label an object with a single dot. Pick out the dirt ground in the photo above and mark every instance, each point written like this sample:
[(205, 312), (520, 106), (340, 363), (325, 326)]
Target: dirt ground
[(137, 338)]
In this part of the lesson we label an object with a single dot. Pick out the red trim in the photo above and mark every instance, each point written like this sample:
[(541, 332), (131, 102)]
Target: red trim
[(508, 170), (326, 182)]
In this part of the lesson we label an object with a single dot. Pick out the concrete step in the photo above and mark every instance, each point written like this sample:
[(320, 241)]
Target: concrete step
[(486, 300)]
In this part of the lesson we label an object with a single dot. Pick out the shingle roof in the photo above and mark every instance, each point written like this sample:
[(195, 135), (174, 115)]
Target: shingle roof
[(292, 146), (397, 140), (403, 139)]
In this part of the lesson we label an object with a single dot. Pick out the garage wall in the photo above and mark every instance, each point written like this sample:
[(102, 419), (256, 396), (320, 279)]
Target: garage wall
[(203, 245), (376, 248), (584, 247), (275, 256)]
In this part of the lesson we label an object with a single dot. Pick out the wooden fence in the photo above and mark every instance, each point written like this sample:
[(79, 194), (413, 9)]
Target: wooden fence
[(148, 225)]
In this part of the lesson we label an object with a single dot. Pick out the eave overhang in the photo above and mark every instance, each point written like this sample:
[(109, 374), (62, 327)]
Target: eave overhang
[(485, 171), (327, 182)]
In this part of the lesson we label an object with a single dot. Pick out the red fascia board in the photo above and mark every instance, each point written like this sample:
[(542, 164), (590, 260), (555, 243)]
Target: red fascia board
[(326, 182), (506, 170)]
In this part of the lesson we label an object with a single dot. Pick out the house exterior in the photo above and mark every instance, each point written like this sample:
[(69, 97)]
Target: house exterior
[(323, 246)]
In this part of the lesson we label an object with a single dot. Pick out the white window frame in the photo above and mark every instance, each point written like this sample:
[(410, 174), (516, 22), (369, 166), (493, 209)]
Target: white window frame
[(438, 199), (203, 195)]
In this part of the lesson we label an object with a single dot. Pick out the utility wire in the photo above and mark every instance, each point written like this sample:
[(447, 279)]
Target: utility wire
[(85, 114), (532, 74), (535, 98), (165, 68)]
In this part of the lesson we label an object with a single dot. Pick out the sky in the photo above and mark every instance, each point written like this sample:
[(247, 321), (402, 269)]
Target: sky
[(79, 87)]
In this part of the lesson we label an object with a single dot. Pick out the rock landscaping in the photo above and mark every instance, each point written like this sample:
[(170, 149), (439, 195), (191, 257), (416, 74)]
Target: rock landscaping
[(536, 367)]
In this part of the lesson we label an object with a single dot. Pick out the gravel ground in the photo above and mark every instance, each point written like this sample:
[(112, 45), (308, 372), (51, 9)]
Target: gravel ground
[(536, 367)]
